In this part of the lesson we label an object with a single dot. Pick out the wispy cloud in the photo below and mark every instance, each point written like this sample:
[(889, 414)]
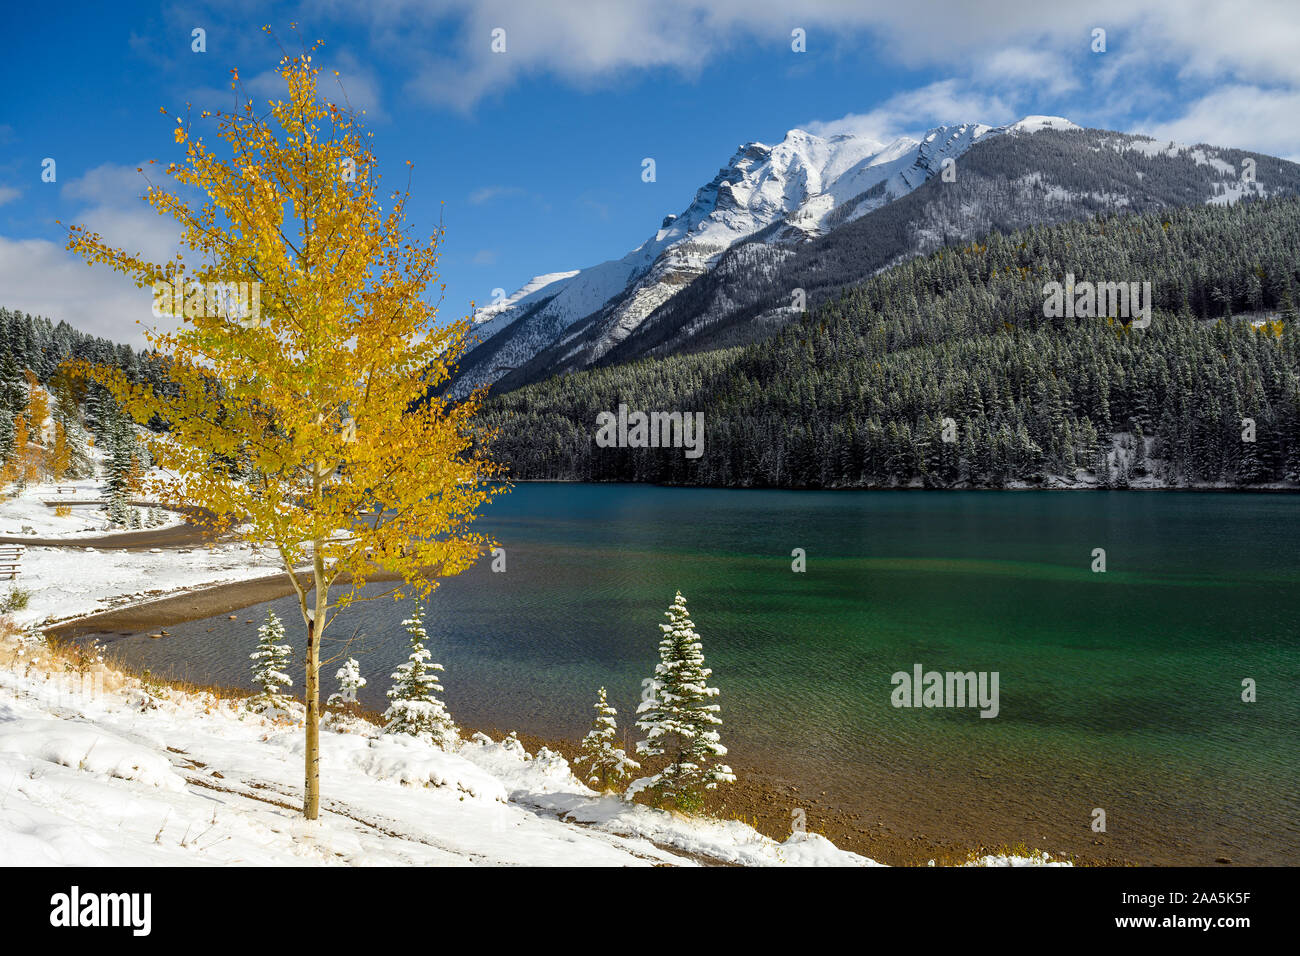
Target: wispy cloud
[(909, 113), (41, 277), (488, 193)]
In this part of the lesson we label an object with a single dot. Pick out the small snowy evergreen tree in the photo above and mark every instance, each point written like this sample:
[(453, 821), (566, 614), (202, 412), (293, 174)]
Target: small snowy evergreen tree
[(350, 681), (415, 708), (118, 470), (609, 765), (270, 661), (6, 435), (680, 718)]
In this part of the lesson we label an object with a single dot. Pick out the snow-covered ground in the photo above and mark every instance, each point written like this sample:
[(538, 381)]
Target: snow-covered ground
[(79, 578), (26, 512), (65, 583), (99, 769)]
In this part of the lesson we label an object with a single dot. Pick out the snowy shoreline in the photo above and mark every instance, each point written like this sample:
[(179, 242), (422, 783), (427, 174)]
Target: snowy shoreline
[(61, 736), (105, 769), (1058, 484)]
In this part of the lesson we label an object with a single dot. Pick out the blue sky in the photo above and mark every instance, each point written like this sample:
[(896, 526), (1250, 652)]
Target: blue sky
[(533, 156)]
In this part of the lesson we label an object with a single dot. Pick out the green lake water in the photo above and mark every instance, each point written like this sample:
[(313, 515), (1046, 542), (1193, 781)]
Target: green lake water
[(1118, 690)]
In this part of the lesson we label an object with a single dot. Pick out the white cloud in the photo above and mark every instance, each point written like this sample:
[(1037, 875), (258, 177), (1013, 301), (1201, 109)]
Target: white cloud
[(8, 194), (997, 57), (1037, 40), (43, 278), (114, 207), (1018, 65), (912, 112), (39, 277), (1247, 117)]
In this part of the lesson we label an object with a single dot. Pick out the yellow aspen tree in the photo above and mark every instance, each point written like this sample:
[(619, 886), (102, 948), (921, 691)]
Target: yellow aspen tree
[(60, 455), (24, 452), (38, 405), (32, 461), (302, 404), (9, 469)]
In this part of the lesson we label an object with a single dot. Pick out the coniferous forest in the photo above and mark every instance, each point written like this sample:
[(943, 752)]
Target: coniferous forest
[(35, 352), (856, 393)]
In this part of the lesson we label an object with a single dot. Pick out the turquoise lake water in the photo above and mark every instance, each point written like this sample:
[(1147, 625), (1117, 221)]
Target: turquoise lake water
[(1118, 690)]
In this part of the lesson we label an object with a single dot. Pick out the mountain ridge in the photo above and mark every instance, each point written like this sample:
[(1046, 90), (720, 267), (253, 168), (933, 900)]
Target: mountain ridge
[(791, 189), (796, 216)]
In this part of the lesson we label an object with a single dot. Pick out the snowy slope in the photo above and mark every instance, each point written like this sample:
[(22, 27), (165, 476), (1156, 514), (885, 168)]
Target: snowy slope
[(788, 193), (492, 318), (102, 770)]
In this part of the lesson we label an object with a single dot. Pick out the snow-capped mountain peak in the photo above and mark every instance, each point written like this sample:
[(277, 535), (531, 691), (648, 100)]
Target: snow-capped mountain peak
[(1032, 124), (786, 193)]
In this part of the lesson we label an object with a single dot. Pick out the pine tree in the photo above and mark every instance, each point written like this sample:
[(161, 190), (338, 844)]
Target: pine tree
[(415, 708), (270, 661), (350, 682), (609, 765), (13, 395), (680, 718), (6, 435), (120, 469)]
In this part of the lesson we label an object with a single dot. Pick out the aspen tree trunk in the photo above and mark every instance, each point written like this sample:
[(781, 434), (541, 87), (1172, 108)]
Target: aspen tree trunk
[(311, 783), (311, 786)]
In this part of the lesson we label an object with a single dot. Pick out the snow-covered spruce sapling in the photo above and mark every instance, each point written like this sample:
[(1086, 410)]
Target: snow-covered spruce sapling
[(270, 661), (350, 682), (119, 470), (680, 718), (415, 709), (608, 766)]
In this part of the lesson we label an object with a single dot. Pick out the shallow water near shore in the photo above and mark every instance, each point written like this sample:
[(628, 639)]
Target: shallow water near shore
[(1119, 690)]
